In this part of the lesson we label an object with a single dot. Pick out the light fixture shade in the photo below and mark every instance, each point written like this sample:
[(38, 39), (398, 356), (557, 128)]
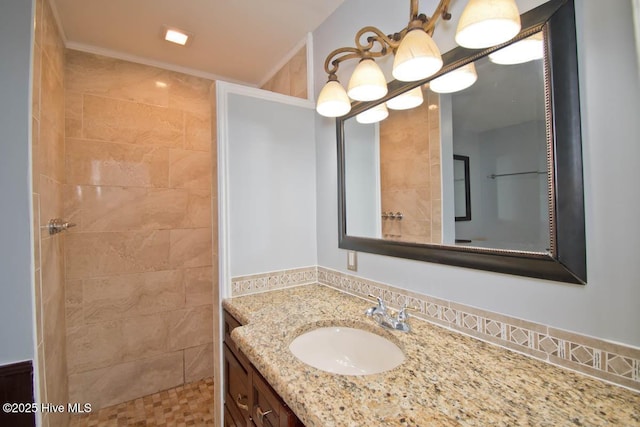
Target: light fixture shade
[(526, 50), (417, 57), (407, 100), (333, 100), (456, 80), (486, 23), (367, 82), (373, 115)]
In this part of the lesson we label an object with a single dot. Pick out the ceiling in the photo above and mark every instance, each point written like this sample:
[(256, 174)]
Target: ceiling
[(235, 40)]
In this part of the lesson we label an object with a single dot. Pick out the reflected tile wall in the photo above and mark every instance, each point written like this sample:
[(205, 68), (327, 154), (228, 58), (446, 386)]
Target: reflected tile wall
[(47, 147), (291, 79), (410, 173), (139, 264)]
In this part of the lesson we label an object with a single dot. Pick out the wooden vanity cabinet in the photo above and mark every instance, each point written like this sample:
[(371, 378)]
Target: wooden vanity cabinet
[(248, 399)]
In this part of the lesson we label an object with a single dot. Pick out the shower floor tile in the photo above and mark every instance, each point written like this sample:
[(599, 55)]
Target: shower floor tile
[(187, 405)]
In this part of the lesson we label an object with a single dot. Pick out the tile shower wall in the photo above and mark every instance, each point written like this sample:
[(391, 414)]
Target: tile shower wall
[(139, 272), (291, 79), (48, 178), (407, 186)]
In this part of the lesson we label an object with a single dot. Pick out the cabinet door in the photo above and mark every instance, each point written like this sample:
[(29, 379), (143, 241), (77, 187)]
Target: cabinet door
[(230, 420), (236, 377)]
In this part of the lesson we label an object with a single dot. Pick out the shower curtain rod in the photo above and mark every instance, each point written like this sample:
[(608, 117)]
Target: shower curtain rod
[(494, 176)]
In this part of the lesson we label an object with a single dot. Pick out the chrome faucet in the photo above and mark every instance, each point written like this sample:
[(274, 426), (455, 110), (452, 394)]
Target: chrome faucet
[(385, 319)]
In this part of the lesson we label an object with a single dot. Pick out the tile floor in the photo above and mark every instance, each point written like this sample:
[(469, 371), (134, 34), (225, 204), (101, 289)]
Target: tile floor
[(187, 405)]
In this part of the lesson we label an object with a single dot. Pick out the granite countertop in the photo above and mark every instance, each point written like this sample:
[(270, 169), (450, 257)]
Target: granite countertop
[(447, 379)]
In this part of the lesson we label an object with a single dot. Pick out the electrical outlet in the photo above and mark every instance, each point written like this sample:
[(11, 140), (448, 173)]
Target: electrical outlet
[(352, 260)]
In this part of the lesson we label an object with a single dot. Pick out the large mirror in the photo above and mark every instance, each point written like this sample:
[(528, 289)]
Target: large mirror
[(507, 148)]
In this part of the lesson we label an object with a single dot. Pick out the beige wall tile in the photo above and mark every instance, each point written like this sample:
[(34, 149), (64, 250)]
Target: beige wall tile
[(100, 254), (190, 248), (100, 208), (73, 114), (51, 137), (198, 363), (189, 93), (131, 295), (127, 381), (190, 169), (113, 78), (123, 121), (281, 81), (190, 327), (35, 155), (36, 80), (50, 201), (38, 17), (38, 306), (291, 79), (104, 344), (142, 250), (198, 214), (101, 163), (52, 45), (197, 128), (198, 285), (298, 74)]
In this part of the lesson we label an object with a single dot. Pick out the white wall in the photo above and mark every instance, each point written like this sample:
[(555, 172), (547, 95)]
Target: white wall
[(271, 185), (362, 178), (16, 314), (607, 307), (509, 211)]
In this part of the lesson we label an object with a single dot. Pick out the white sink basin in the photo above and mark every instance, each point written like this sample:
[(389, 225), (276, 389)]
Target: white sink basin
[(346, 351)]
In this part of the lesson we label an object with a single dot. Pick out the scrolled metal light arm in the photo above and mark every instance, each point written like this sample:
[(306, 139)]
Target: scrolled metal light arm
[(387, 43)]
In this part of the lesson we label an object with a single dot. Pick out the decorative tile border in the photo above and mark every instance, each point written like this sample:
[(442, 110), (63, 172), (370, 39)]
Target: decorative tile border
[(246, 285), (611, 362)]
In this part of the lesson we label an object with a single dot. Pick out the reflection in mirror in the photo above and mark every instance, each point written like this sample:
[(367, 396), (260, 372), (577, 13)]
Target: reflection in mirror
[(400, 173), (393, 167), (526, 184), (500, 123), (461, 190)]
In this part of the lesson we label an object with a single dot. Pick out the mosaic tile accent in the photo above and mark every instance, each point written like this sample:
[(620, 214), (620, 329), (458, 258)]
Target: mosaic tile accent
[(263, 282), (187, 405), (610, 362)]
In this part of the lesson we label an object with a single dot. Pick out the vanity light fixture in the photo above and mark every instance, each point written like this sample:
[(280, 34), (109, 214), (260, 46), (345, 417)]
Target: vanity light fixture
[(176, 36), (529, 49), (406, 100), (483, 23), (373, 115), (456, 80)]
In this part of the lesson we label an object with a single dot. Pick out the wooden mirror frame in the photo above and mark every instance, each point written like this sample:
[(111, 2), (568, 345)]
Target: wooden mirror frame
[(566, 261)]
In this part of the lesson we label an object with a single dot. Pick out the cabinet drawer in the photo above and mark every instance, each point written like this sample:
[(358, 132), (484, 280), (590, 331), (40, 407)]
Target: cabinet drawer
[(268, 409), (236, 378)]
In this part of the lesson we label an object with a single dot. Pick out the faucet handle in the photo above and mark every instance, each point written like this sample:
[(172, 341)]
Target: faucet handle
[(381, 308), (402, 314)]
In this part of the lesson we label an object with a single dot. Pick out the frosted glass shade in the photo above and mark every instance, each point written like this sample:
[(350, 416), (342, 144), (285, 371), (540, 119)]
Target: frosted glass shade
[(333, 100), (407, 100), (417, 57), (456, 80), (486, 23), (367, 82), (526, 50), (373, 115)]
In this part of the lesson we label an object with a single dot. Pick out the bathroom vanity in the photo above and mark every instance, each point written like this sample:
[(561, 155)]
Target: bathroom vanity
[(249, 400), (447, 378)]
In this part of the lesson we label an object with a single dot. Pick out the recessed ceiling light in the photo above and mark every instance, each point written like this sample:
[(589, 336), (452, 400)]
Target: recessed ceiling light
[(176, 36)]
